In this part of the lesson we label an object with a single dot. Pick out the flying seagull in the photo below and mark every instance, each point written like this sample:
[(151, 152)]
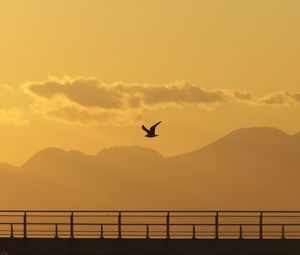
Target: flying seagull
[(151, 132)]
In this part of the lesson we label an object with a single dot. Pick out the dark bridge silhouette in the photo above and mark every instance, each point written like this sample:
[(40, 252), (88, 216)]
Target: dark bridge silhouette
[(150, 232)]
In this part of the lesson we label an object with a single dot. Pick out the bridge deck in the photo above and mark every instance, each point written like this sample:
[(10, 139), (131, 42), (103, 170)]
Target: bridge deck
[(68, 246)]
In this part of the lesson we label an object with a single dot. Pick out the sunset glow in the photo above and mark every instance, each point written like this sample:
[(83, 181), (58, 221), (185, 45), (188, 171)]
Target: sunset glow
[(87, 74)]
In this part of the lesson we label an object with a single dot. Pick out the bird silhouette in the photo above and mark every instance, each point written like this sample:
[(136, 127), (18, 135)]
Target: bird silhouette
[(151, 131)]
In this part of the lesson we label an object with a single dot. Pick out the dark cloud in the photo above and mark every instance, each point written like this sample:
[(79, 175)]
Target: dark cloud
[(89, 101), (181, 94), (92, 93), (85, 92)]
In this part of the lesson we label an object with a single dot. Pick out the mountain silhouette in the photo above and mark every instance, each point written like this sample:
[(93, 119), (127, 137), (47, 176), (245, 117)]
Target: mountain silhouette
[(250, 168), (58, 164), (248, 147)]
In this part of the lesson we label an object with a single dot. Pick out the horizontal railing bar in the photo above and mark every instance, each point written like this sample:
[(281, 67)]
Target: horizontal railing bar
[(195, 216), (157, 216), (11, 215), (154, 231), (156, 211), (155, 236), (47, 215), (149, 224), (173, 234)]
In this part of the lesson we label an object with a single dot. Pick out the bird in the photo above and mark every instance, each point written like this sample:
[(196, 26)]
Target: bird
[(151, 131)]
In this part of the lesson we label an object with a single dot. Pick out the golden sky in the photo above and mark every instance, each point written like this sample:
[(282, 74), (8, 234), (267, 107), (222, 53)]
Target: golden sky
[(86, 74)]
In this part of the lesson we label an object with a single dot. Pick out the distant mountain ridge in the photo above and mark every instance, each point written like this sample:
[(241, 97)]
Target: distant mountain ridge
[(250, 168), (243, 135)]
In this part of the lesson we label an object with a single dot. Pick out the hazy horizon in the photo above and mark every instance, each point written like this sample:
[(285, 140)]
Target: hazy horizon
[(241, 170)]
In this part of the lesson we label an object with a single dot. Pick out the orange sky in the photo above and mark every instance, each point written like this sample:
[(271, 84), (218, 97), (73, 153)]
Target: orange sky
[(85, 74)]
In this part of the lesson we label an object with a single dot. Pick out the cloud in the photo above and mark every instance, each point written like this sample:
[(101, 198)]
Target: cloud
[(80, 116), (281, 98), (181, 94), (10, 113), (5, 89), (68, 112), (86, 92), (92, 93), (87, 101), (90, 102), (14, 116), (241, 96)]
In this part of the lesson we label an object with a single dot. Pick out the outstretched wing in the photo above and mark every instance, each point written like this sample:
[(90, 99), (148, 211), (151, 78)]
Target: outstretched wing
[(152, 129), (145, 129)]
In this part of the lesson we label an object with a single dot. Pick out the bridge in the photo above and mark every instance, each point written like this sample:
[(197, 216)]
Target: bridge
[(149, 232)]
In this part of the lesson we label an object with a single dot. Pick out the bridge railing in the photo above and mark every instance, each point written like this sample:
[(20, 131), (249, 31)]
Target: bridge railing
[(150, 224)]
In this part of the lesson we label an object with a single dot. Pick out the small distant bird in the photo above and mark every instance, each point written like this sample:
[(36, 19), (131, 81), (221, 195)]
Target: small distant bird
[(151, 131)]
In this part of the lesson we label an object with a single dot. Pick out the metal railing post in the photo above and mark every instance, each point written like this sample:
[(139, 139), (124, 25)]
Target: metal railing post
[(168, 225), (120, 225), (11, 231), (56, 231), (241, 232), (217, 225), (101, 231), (25, 225), (72, 224), (194, 231), (261, 225), (282, 232), (147, 232)]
